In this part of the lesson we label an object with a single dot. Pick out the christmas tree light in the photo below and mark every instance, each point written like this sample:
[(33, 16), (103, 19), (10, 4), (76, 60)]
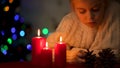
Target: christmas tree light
[(22, 33), (13, 29), (10, 1), (6, 8), (9, 40), (45, 31), (14, 36), (16, 17), (12, 32)]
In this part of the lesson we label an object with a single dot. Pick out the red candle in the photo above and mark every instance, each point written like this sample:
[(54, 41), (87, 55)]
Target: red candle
[(37, 45), (60, 54), (46, 57)]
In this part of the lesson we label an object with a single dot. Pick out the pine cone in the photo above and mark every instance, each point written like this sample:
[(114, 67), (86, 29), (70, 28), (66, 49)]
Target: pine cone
[(89, 59), (106, 59)]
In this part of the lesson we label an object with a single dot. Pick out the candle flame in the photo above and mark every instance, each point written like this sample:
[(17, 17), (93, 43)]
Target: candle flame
[(38, 32), (46, 44), (60, 38)]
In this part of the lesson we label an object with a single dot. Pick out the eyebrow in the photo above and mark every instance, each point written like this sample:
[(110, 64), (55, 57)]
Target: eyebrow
[(80, 8), (97, 4)]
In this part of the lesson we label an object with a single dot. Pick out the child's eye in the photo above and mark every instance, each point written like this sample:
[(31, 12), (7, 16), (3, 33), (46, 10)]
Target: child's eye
[(96, 9), (82, 11)]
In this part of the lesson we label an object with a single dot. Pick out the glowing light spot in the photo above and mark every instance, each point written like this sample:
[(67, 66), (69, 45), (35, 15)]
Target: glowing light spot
[(45, 31), (29, 46), (9, 40), (5, 47), (10, 1), (14, 36), (6, 8), (22, 33), (2, 49), (16, 17), (2, 33), (13, 29), (4, 52)]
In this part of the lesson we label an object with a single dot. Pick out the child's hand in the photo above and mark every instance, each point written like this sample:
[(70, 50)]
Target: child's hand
[(72, 55)]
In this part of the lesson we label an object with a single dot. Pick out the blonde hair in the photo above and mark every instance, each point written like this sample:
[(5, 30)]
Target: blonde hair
[(104, 1), (98, 0)]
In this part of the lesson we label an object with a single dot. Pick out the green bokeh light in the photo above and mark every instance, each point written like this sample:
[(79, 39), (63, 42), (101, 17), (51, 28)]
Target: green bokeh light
[(9, 40), (5, 47), (2, 49), (45, 31)]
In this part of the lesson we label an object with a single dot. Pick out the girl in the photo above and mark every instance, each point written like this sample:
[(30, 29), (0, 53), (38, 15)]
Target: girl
[(91, 24)]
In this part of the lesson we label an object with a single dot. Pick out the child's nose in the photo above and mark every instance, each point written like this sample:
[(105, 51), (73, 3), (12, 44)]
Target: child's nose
[(90, 16)]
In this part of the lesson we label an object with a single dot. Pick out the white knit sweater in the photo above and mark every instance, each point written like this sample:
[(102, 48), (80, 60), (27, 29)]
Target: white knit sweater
[(78, 35)]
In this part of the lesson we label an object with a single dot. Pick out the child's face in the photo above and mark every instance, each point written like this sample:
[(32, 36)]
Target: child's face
[(89, 12)]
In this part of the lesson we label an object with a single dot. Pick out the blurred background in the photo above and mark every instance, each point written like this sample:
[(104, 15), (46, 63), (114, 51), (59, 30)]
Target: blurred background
[(19, 22), (44, 14)]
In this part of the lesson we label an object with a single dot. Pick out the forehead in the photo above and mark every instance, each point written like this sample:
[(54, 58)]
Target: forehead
[(86, 3)]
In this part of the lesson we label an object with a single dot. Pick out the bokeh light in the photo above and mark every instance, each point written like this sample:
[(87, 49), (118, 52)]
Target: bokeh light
[(22, 33), (6, 8), (14, 36), (4, 52), (2, 33), (12, 32), (5, 47), (13, 29), (2, 49), (9, 40), (16, 17), (29, 46), (45, 31), (10, 1)]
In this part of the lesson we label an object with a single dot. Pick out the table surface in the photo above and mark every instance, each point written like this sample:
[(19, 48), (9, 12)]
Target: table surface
[(29, 65)]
